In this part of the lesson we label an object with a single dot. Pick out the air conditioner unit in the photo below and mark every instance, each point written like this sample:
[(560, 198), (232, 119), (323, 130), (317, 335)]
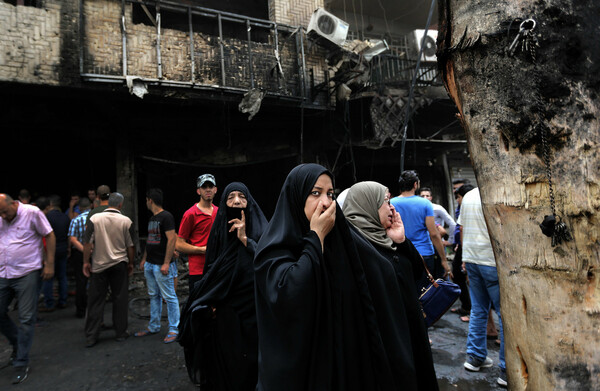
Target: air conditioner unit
[(428, 44), (328, 26)]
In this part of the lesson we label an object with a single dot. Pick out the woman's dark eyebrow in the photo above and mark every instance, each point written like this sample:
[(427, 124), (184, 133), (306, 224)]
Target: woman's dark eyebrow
[(321, 189)]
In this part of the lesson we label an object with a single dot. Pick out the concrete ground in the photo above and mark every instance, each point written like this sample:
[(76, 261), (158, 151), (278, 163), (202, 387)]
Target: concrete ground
[(449, 337), (59, 359)]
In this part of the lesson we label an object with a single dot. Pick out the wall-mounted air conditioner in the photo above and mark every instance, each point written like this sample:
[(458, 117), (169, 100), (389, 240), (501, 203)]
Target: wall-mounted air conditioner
[(427, 42), (328, 26)]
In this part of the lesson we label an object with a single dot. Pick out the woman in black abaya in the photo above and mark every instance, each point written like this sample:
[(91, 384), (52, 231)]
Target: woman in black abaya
[(367, 208), (218, 326), (321, 300)]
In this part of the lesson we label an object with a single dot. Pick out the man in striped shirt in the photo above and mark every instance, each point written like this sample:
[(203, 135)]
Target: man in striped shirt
[(76, 231)]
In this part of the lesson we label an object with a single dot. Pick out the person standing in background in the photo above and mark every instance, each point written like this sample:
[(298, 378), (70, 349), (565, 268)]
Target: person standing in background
[(195, 228), (22, 228)]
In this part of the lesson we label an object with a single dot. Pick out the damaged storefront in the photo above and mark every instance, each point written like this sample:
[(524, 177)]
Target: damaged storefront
[(138, 94)]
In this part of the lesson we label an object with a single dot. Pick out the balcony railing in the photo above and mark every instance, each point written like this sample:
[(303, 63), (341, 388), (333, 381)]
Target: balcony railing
[(213, 50), (393, 70)]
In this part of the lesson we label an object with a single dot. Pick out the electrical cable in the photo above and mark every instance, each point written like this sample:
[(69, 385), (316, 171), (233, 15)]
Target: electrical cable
[(387, 26)]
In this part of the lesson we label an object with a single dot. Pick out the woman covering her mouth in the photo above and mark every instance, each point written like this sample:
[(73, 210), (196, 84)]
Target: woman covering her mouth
[(368, 210), (321, 300), (218, 326)]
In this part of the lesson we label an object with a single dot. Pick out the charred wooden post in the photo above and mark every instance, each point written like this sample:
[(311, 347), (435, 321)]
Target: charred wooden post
[(511, 88)]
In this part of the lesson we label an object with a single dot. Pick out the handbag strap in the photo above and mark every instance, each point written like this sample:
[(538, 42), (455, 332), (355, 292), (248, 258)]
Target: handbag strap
[(435, 284)]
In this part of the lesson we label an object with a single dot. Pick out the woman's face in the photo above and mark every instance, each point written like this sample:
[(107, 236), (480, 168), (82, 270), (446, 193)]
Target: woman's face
[(386, 212), (236, 199), (322, 191)]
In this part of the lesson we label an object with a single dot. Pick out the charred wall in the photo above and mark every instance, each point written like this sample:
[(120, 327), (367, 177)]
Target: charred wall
[(43, 45)]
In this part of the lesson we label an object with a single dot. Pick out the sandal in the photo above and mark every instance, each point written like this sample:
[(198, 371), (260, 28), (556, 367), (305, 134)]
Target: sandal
[(460, 311), (465, 318), (171, 337), (143, 333)]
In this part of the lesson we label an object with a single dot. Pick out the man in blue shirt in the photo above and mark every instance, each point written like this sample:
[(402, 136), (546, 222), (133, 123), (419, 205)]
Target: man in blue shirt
[(76, 231), (419, 225)]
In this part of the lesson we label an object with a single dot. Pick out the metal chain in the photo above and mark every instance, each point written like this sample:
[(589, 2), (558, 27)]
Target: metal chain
[(546, 154), (527, 42)]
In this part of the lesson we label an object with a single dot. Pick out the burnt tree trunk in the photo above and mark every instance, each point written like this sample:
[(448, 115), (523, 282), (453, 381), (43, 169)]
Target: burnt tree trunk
[(550, 295)]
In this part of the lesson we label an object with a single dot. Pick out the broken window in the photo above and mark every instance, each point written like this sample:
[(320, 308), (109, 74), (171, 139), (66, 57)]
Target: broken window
[(29, 3)]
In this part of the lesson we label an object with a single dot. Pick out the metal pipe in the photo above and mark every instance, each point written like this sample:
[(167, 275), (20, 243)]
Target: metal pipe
[(249, 29), (303, 63), (299, 63), (192, 45), (81, 36), (158, 57), (124, 38), (223, 82), (277, 55)]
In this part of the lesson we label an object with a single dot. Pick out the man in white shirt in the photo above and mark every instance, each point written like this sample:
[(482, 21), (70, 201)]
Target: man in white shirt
[(480, 263), (440, 214)]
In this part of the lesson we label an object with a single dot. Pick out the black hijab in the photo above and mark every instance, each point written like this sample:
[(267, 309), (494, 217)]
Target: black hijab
[(221, 349), (220, 238), (317, 324)]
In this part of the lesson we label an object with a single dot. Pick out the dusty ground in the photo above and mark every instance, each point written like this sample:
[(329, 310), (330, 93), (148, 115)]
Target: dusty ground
[(59, 359)]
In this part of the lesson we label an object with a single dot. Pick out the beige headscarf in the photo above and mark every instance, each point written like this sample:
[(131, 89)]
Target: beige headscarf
[(361, 209)]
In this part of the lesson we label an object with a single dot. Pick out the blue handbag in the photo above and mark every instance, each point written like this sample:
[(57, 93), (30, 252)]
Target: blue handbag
[(437, 298)]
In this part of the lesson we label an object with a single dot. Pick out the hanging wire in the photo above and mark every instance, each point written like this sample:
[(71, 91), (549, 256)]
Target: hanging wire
[(387, 26)]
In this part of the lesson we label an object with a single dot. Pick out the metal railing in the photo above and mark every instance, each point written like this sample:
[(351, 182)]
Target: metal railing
[(223, 63), (393, 70)]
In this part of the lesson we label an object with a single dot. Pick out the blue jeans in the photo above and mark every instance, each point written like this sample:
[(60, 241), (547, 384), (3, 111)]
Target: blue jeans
[(26, 290), (162, 287), (484, 290), (60, 273)]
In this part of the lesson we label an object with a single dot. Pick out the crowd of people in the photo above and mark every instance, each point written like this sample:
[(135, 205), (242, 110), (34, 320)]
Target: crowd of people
[(323, 296)]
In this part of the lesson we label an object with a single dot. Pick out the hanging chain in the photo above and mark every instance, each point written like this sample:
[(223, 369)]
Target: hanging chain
[(546, 155), (527, 41)]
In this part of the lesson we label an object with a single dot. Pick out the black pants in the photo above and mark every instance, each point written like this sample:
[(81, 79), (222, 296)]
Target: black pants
[(80, 282), (118, 279), (460, 279)]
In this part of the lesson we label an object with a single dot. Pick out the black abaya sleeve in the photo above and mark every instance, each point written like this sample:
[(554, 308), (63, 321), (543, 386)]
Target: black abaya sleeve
[(287, 304), (251, 246), (407, 248)]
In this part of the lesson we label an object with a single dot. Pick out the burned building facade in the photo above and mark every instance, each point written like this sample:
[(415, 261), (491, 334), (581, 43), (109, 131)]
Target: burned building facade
[(138, 94)]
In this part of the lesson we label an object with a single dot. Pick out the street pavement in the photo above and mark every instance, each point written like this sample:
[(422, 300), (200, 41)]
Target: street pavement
[(59, 359), (449, 346)]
